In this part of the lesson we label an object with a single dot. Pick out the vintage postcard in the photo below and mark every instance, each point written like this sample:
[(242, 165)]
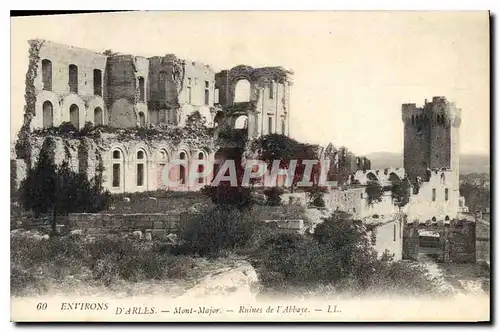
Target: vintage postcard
[(191, 166)]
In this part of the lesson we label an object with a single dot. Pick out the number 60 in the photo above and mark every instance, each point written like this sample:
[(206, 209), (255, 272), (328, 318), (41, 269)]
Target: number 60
[(41, 306)]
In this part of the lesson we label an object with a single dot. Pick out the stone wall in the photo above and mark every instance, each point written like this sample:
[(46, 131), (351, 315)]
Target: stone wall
[(354, 201), (169, 222), (423, 207), (388, 236)]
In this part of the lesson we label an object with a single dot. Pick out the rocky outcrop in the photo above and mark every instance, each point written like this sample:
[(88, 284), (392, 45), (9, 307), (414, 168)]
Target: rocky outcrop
[(239, 280)]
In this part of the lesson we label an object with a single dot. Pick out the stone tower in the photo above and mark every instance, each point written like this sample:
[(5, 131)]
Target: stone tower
[(431, 138)]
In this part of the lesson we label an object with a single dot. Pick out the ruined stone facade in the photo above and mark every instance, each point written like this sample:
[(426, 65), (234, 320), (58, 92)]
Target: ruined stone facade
[(258, 99), (64, 84), (130, 93)]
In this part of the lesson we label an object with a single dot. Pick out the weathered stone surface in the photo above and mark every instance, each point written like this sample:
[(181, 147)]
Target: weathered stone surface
[(239, 281)]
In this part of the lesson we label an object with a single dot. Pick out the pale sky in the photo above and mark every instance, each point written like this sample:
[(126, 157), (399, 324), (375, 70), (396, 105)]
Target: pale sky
[(353, 70)]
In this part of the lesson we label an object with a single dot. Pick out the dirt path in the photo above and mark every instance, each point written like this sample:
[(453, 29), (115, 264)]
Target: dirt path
[(459, 279)]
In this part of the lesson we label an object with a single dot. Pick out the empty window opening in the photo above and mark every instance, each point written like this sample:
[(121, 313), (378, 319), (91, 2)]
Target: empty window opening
[(116, 175), (47, 74), (140, 175), (73, 78), (242, 91), (207, 93), (98, 116), (48, 114), (182, 169), (142, 93), (142, 120), (97, 82), (74, 116)]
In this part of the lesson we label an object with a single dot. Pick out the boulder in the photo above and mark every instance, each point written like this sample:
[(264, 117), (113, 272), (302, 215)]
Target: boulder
[(240, 281), (192, 209), (137, 234), (172, 239), (76, 232)]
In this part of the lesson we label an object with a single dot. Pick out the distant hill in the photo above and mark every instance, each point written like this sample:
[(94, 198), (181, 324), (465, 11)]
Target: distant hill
[(469, 163)]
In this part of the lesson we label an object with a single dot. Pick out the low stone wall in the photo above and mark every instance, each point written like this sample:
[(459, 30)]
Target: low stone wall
[(288, 224), (138, 221)]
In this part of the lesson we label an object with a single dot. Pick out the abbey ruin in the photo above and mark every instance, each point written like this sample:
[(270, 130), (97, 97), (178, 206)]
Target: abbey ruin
[(140, 111), (123, 117)]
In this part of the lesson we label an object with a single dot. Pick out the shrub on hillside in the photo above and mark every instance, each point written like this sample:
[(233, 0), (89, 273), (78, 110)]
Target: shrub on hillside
[(225, 194), (222, 228), (315, 195), (337, 254), (374, 192), (273, 195), (35, 263)]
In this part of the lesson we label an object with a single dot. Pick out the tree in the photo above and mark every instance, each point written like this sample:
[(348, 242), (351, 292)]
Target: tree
[(37, 191), (477, 198), (280, 147), (400, 191), (226, 195), (273, 195), (58, 190), (374, 192), (315, 195)]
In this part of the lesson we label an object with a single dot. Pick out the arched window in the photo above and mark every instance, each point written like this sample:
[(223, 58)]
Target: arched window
[(270, 125), (446, 194), (47, 74), (241, 122), (117, 168), (97, 82), (283, 127), (74, 116), (433, 219), (142, 120), (242, 91), (201, 168), (140, 168), (162, 162), (163, 155), (142, 93), (48, 114), (98, 116), (73, 78), (182, 168), (433, 194), (447, 218)]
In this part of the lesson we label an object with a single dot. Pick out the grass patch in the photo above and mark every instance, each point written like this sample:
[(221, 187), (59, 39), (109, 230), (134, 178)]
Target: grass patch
[(107, 260)]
